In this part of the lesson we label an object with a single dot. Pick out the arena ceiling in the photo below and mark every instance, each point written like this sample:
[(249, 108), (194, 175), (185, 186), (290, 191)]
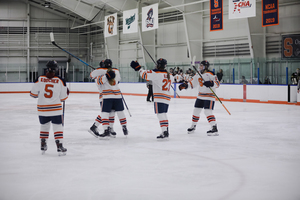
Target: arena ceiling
[(91, 11)]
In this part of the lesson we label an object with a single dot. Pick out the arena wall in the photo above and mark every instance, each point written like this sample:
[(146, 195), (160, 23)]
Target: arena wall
[(278, 94)]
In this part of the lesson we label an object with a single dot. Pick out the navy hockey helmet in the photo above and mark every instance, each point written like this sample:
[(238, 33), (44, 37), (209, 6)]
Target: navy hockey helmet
[(161, 63), (101, 64), (51, 66), (205, 63), (107, 63)]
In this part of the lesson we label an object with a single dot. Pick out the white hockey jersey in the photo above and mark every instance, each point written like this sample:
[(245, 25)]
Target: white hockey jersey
[(161, 84), (110, 91), (178, 78), (204, 92), (50, 94), (94, 75)]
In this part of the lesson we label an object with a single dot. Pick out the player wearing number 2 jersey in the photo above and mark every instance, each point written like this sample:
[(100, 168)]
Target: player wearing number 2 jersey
[(161, 81), (205, 99), (50, 90)]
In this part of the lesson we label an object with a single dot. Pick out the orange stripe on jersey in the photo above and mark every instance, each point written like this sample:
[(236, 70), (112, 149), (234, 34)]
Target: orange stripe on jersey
[(49, 110), (206, 95), (111, 92), (34, 95), (161, 96), (99, 80), (210, 73), (52, 105), (64, 99), (144, 75), (191, 84)]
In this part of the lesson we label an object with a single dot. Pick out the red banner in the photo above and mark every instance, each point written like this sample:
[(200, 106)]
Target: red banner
[(270, 12), (216, 15)]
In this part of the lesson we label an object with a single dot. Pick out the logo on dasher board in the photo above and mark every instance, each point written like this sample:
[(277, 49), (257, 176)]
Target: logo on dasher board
[(129, 21)]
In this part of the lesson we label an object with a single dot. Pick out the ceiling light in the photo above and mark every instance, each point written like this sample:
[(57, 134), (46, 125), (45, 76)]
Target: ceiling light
[(47, 4)]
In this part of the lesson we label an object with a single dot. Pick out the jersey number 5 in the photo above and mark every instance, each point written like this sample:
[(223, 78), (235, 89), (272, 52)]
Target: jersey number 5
[(200, 80), (48, 90), (166, 86)]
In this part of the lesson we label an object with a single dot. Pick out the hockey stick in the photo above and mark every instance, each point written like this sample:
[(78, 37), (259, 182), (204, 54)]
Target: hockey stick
[(193, 64), (125, 104), (156, 64), (53, 42), (64, 102)]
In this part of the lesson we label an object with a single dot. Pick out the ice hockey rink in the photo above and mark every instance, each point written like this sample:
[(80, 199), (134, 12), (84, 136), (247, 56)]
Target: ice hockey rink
[(255, 157)]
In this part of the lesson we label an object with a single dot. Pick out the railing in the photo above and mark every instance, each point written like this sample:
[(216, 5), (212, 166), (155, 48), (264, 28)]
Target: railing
[(276, 70)]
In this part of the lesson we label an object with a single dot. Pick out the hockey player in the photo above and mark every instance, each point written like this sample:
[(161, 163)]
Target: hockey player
[(205, 99), (93, 129), (50, 90), (112, 98), (161, 81)]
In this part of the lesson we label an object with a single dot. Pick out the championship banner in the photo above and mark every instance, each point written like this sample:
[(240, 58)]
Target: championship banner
[(130, 21), (216, 15), (241, 9), (270, 12), (290, 47), (150, 17), (111, 25)]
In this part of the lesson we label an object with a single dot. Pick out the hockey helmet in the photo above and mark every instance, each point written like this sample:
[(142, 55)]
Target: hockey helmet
[(205, 63), (161, 63), (101, 64), (107, 63), (51, 66)]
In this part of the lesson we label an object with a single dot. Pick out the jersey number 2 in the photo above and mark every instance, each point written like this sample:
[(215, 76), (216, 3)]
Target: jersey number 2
[(48, 90), (166, 86)]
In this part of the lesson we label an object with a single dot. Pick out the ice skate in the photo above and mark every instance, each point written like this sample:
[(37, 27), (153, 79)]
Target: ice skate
[(213, 131), (60, 149), (93, 131), (105, 135), (43, 146), (163, 136), (125, 131), (112, 133), (191, 129)]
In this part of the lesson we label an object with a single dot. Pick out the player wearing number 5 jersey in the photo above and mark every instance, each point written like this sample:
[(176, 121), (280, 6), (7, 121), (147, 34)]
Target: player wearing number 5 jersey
[(161, 81), (50, 90), (205, 99)]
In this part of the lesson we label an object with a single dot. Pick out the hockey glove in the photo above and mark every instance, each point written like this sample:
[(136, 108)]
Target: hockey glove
[(110, 75), (208, 83), (183, 86), (135, 65)]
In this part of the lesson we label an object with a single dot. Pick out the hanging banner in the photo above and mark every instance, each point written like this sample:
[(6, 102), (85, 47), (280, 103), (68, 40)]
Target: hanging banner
[(270, 12), (130, 21), (241, 9), (111, 25), (290, 46), (150, 17), (216, 15)]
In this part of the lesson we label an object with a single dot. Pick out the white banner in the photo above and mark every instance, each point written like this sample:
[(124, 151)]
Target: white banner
[(150, 17), (130, 21), (242, 9), (111, 25)]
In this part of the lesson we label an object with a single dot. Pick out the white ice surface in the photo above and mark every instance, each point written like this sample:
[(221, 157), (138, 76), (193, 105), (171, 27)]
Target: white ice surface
[(256, 156)]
